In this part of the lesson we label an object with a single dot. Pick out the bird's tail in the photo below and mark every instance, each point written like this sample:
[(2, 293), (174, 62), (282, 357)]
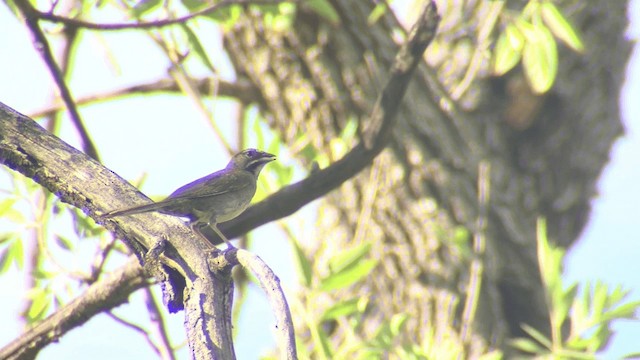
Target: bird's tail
[(134, 210)]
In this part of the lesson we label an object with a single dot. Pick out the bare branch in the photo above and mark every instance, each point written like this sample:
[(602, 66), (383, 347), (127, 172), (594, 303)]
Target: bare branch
[(42, 46), (104, 294), (241, 90), (147, 25)]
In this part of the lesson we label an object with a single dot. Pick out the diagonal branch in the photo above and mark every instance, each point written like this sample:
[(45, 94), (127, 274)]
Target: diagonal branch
[(375, 138), (86, 184), (41, 44), (111, 291)]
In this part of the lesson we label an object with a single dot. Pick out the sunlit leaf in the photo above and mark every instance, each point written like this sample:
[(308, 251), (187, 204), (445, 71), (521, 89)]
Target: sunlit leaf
[(324, 9), (397, 323), (537, 335), (348, 276), (5, 260), (63, 242), (197, 47), (346, 258), (526, 345), (143, 7), (508, 50), (343, 308), (18, 253), (376, 13), (540, 59), (40, 302), (304, 266), (560, 26)]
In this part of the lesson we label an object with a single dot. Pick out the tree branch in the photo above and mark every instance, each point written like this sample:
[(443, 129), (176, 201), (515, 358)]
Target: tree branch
[(374, 139), (81, 181), (241, 90), (148, 25), (109, 292), (270, 284), (86, 184), (42, 46)]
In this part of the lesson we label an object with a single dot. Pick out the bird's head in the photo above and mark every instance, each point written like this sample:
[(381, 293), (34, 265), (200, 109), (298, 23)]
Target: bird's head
[(251, 160)]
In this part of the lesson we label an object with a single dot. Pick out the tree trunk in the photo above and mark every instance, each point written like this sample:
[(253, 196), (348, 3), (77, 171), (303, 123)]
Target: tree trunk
[(544, 155)]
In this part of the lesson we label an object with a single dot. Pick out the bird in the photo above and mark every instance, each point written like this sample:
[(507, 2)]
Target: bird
[(212, 199)]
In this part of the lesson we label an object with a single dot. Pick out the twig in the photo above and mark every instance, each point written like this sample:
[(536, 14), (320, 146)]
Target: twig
[(107, 293), (42, 46), (147, 25)]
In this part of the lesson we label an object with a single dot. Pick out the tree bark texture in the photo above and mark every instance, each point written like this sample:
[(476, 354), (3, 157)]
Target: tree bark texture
[(545, 153)]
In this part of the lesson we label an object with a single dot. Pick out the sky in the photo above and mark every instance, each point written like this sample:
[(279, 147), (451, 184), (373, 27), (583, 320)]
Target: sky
[(173, 155)]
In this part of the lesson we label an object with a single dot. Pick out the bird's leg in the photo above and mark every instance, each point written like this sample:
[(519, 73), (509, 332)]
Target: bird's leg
[(224, 238), (196, 226)]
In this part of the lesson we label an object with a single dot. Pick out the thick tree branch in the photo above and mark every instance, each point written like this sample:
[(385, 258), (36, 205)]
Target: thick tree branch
[(84, 183), (81, 181)]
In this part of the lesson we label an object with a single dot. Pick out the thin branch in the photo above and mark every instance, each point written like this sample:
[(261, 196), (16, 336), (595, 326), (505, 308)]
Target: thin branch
[(113, 290), (152, 24), (42, 46), (158, 326), (241, 90), (137, 328)]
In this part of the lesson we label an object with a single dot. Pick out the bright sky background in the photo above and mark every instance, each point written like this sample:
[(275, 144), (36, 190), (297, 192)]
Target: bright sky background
[(136, 136)]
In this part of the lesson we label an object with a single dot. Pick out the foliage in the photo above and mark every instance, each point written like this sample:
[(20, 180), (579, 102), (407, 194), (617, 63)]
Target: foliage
[(529, 37), (589, 316)]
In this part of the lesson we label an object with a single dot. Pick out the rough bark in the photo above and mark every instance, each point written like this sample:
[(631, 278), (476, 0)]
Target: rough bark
[(545, 154)]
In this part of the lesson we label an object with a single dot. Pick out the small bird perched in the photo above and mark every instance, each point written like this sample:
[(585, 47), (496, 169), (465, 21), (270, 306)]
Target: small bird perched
[(215, 198)]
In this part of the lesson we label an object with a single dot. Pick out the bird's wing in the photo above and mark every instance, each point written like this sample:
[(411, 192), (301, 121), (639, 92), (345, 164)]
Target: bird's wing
[(214, 184)]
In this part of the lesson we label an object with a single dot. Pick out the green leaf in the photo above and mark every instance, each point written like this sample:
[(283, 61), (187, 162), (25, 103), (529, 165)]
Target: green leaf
[(144, 7), (6, 205), (376, 13), (550, 261), (560, 308), (324, 9), (321, 342), (18, 253), (508, 50), (348, 276), (599, 301), (526, 345), (196, 45), (304, 266), (343, 308), (347, 258), (625, 311), (5, 260), (397, 323), (492, 355), (560, 26), (540, 59), (6, 237), (40, 302), (537, 335)]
